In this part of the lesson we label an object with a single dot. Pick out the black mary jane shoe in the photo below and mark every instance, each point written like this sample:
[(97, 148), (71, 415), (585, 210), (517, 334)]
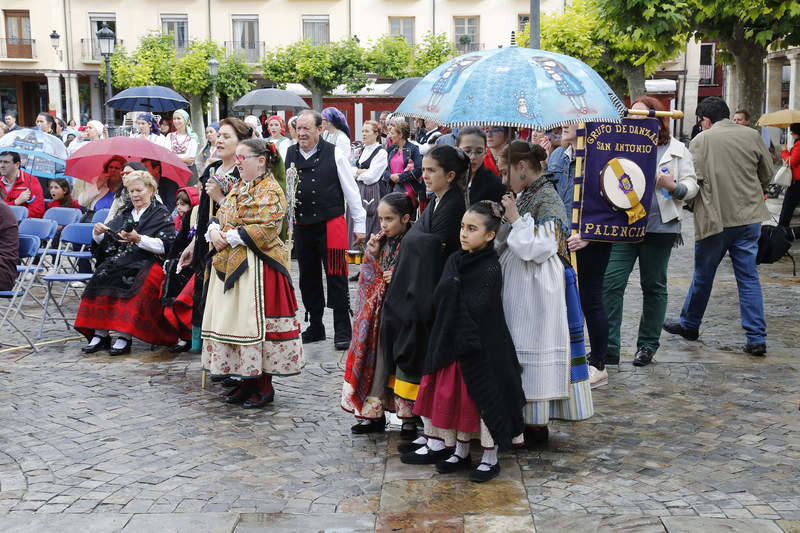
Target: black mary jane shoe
[(236, 396), (104, 344), (481, 476), (447, 467), (430, 458), (180, 347), (121, 351), (377, 425), (258, 400), (407, 447)]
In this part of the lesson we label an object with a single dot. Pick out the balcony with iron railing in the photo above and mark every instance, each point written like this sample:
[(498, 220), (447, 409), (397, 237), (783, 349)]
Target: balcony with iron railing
[(706, 74), (16, 48), (252, 51), (90, 50), (467, 47)]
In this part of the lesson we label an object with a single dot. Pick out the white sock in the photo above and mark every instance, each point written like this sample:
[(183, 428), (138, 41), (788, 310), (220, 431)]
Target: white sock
[(420, 440), (490, 458), (462, 451), (182, 342), (120, 343), (95, 340), (423, 450), (435, 445)]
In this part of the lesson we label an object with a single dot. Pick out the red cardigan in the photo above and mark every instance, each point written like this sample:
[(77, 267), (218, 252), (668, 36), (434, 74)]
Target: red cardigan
[(793, 159)]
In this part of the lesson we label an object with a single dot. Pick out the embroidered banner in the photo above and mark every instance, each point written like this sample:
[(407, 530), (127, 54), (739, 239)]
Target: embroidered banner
[(615, 177)]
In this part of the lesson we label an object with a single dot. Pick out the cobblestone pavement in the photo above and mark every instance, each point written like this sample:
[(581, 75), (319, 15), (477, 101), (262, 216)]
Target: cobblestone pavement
[(705, 439)]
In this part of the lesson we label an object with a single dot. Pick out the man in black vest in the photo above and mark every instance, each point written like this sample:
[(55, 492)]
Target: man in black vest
[(325, 181)]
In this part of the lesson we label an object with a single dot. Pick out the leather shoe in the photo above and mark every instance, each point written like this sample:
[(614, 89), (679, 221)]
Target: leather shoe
[(377, 425), (237, 395), (121, 351), (315, 332), (104, 344), (447, 467), (758, 349), (180, 347), (228, 381), (480, 476), (644, 356), (408, 447), (674, 326), (342, 330), (430, 458), (258, 400), (354, 277)]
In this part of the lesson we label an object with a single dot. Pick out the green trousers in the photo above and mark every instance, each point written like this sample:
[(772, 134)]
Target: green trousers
[(653, 255)]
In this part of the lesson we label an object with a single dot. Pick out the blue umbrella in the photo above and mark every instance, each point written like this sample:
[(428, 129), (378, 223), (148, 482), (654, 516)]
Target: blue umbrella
[(148, 98), (513, 86), (41, 154)]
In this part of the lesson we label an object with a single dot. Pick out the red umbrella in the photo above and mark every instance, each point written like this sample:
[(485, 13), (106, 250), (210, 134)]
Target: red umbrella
[(88, 160)]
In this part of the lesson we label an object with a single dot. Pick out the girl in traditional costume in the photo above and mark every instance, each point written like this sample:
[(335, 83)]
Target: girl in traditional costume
[(471, 388), (408, 308), (249, 326), (540, 296), (364, 392)]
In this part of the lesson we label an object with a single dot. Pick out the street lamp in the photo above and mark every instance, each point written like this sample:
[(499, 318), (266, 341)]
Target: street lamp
[(105, 41), (54, 42), (213, 69)]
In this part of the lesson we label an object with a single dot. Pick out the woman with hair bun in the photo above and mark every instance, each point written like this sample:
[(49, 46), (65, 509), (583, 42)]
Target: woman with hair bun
[(249, 329), (540, 296), (408, 308)]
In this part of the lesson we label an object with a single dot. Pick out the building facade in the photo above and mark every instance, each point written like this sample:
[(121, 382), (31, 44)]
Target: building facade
[(50, 58)]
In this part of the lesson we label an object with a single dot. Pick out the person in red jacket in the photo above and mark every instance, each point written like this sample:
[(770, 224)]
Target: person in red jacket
[(61, 194), (792, 197), (20, 188)]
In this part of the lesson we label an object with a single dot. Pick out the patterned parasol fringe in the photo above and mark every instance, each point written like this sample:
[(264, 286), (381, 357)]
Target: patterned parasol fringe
[(537, 127)]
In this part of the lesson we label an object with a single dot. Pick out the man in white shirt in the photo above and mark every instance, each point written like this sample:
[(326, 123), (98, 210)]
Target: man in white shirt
[(325, 182)]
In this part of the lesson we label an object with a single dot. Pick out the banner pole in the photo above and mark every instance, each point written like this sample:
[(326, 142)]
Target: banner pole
[(653, 113), (577, 191)]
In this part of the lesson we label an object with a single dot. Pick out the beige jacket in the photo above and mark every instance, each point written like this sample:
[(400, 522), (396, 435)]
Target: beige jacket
[(733, 167)]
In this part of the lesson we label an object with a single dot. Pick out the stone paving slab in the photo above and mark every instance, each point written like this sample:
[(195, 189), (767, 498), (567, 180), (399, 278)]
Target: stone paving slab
[(419, 522), (789, 526), (182, 523), (453, 496), (294, 523), (711, 525), (63, 523), (569, 523)]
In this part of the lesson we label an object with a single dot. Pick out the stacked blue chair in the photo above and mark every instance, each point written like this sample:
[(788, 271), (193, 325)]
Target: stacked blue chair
[(100, 215), (28, 248), (20, 211)]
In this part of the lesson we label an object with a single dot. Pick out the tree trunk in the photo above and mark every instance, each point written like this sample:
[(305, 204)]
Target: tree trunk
[(196, 114), (316, 99), (635, 77), (749, 82)]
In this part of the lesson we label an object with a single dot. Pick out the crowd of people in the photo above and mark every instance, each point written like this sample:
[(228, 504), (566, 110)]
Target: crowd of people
[(472, 295)]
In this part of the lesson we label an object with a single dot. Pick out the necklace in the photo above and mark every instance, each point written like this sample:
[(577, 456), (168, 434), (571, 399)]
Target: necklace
[(178, 147)]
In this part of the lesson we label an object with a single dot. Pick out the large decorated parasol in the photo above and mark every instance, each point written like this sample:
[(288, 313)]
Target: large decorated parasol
[(513, 86), (41, 154)]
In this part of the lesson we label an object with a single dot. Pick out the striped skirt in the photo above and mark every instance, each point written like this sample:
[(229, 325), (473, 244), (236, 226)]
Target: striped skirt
[(578, 406)]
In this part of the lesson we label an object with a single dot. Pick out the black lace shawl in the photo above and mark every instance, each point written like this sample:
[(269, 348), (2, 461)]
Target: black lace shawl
[(470, 328), (122, 267), (408, 307)]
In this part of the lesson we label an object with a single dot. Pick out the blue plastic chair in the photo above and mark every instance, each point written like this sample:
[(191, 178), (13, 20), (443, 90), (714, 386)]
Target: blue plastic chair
[(20, 211), (63, 215), (45, 230), (100, 215), (73, 234), (28, 248)]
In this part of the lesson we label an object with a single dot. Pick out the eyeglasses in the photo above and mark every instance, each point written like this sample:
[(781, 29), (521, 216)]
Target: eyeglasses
[(478, 152), (240, 158)]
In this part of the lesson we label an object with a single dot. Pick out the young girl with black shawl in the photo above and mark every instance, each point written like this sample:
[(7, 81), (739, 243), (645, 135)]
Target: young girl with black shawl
[(472, 386), (408, 308), (364, 391)]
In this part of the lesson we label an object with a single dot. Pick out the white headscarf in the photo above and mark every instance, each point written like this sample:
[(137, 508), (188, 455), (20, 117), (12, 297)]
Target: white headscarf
[(252, 121)]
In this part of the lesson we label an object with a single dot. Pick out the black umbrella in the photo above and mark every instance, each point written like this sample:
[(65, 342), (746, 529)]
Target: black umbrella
[(402, 86), (263, 99), (151, 98)]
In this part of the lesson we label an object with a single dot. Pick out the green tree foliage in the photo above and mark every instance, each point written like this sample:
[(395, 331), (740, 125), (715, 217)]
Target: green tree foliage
[(153, 62), (320, 69), (746, 31), (584, 32), (390, 57), (430, 53)]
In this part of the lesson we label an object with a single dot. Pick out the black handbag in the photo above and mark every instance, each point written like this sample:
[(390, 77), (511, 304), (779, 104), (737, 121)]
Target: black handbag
[(174, 281)]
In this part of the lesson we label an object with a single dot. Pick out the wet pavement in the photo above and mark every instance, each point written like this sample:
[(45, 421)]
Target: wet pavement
[(705, 439)]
